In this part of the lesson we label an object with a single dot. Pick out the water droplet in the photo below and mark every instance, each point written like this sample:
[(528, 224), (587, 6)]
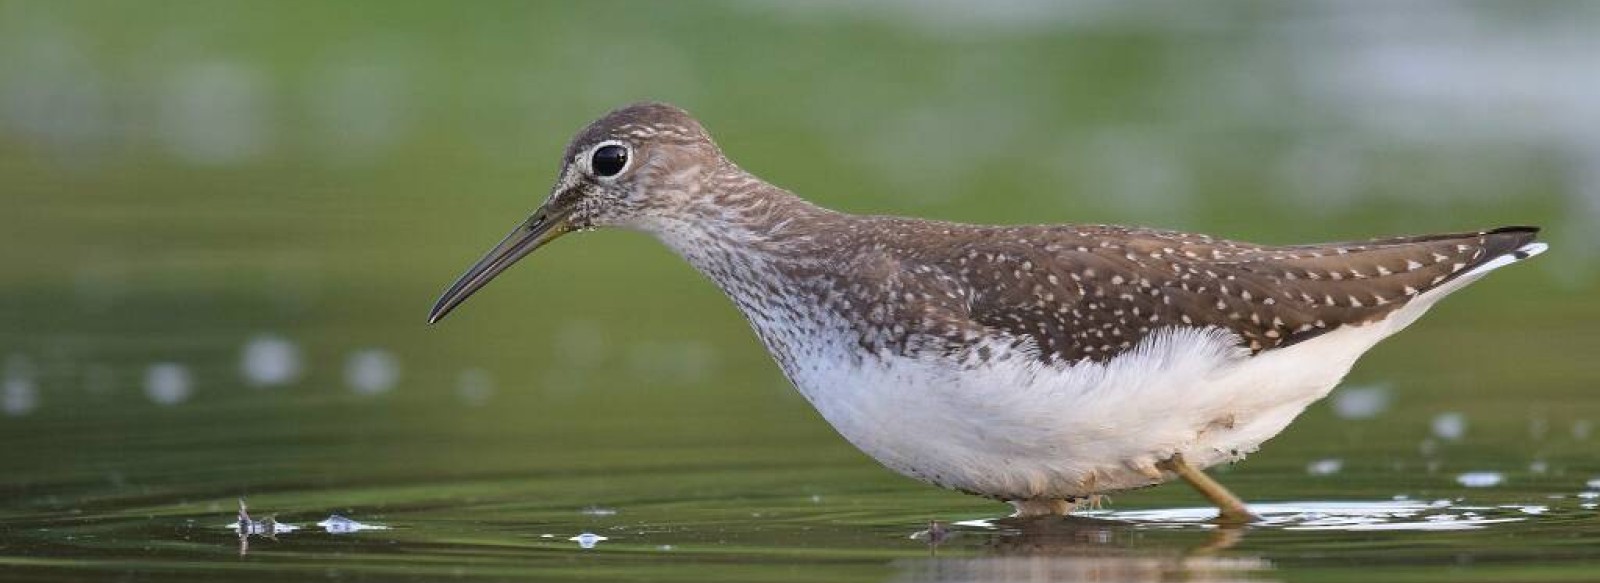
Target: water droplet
[(1361, 402), (599, 511), (168, 383), (20, 394), (371, 371), (1324, 467), (21, 397), (1451, 426), (588, 540), (1480, 479), (269, 360)]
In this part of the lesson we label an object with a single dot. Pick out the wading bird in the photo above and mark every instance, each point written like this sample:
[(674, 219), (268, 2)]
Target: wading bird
[(1038, 365)]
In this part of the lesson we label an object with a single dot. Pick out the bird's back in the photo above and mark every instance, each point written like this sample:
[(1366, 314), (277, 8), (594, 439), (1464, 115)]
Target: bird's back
[(1069, 293)]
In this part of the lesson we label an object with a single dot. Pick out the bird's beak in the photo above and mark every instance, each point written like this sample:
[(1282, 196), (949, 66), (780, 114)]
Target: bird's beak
[(544, 226)]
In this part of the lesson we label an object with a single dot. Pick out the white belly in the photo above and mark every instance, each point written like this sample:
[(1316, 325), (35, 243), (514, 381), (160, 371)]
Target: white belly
[(1020, 430), (1017, 430)]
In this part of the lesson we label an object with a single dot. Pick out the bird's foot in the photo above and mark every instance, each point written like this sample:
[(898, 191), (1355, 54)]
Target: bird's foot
[(1230, 509), (1092, 502)]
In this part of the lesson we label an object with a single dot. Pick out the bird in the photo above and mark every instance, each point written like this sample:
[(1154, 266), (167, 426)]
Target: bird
[(1039, 365)]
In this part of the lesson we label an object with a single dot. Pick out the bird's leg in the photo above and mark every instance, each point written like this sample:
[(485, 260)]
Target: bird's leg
[(1091, 501), (1096, 501), (1232, 509)]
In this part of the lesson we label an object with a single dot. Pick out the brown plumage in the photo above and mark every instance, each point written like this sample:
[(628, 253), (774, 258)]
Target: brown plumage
[(1094, 292), (1064, 294)]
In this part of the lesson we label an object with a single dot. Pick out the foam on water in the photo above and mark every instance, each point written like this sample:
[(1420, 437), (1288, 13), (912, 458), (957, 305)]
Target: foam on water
[(588, 540), (336, 524), (1402, 514)]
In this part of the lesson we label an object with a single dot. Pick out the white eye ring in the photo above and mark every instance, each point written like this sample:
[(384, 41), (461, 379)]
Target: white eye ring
[(627, 160)]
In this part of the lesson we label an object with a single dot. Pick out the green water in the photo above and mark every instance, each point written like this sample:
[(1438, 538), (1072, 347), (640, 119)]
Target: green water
[(224, 224)]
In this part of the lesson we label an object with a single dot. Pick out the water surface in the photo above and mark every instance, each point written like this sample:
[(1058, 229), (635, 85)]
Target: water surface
[(224, 223)]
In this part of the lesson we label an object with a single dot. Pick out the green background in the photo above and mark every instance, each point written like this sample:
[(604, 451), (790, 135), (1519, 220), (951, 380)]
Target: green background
[(183, 181)]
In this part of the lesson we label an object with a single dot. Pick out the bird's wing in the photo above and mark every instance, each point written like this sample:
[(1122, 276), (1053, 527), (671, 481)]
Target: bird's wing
[(1095, 292)]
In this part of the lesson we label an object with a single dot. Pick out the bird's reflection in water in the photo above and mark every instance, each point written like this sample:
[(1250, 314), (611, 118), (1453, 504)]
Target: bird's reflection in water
[(1077, 548)]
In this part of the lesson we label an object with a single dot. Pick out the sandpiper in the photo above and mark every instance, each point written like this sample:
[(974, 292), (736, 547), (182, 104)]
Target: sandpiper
[(1038, 365)]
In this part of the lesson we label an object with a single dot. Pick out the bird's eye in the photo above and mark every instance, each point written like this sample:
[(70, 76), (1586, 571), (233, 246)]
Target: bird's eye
[(609, 160)]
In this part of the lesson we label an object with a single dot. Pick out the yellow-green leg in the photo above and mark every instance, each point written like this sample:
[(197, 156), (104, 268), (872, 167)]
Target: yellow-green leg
[(1233, 510)]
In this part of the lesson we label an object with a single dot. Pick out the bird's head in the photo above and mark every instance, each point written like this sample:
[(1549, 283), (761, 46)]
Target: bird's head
[(635, 165)]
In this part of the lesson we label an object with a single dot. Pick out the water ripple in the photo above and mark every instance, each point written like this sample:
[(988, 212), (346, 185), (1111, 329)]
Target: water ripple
[(1316, 515)]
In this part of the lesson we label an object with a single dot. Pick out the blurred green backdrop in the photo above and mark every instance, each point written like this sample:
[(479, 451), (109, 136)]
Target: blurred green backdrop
[(224, 223)]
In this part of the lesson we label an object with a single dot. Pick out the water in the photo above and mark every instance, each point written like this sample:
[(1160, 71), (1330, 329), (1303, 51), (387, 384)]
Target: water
[(224, 227), (709, 484)]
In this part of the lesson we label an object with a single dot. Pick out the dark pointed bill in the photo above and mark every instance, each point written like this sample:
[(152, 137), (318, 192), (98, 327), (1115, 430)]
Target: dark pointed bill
[(543, 227)]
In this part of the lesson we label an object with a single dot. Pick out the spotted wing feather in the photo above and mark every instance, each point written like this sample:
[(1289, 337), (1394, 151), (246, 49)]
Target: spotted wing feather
[(1075, 293)]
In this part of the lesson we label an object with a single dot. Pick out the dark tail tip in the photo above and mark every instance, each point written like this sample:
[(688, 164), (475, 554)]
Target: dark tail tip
[(1511, 239), (1528, 229)]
